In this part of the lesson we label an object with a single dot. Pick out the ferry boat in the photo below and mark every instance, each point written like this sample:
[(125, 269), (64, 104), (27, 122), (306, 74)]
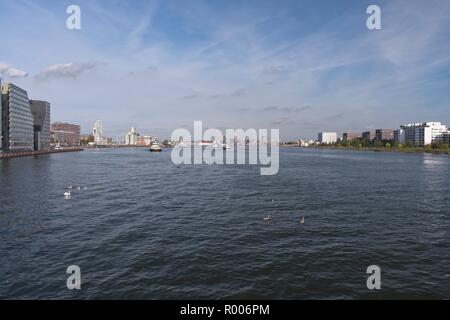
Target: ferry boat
[(155, 148)]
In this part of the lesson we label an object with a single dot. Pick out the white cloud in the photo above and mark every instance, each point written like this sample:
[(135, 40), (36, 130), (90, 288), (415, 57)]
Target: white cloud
[(10, 72)]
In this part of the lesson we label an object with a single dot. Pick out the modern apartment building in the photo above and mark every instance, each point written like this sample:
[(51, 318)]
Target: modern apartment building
[(384, 135), (327, 137), (423, 134), (17, 121), (40, 111), (349, 136), (399, 136), (66, 134), (369, 135), (131, 138), (444, 138)]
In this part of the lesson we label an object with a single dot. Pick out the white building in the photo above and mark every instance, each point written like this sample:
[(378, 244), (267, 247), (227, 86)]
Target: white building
[(327, 137), (131, 138), (422, 134), (97, 131)]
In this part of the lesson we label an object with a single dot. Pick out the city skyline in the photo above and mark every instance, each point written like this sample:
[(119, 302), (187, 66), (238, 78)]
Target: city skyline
[(296, 66)]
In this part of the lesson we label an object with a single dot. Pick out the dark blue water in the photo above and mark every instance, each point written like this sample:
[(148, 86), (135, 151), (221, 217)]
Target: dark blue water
[(148, 229)]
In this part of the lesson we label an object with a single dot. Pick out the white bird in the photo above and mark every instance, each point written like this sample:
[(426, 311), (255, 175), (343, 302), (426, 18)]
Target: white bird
[(78, 188), (67, 194), (268, 218), (302, 221), (69, 187), (85, 188)]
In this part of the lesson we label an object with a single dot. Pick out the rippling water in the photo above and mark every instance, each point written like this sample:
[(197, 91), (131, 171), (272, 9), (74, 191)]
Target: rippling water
[(148, 229)]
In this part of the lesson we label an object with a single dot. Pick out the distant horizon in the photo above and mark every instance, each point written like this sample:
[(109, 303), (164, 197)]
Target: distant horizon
[(298, 66)]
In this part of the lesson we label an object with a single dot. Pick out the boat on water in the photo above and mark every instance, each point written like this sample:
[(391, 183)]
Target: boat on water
[(205, 143), (155, 148)]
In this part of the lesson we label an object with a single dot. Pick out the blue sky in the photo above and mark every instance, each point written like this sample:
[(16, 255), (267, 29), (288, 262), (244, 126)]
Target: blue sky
[(300, 66)]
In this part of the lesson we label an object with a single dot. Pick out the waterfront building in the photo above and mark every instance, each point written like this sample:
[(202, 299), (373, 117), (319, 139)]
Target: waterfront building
[(349, 136), (399, 136), (17, 121), (97, 132), (131, 138), (66, 134), (384, 135), (149, 140), (445, 138), (40, 111), (369, 135), (423, 134), (327, 137)]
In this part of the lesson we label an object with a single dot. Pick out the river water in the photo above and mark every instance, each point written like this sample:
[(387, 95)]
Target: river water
[(144, 228)]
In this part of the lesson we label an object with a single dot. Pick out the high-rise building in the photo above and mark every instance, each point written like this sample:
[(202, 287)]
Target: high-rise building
[(17, 121), (40, 111), (327, 137), (423, 134), (384, 135), (65, 134), (97, 131)]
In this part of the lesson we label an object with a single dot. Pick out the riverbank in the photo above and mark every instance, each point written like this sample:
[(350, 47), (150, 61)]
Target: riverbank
[(385, 149), (11, 155)]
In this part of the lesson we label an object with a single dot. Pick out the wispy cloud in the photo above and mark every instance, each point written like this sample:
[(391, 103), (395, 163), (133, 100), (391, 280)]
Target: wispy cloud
[(66, 70), (236, 64), (286, 109)]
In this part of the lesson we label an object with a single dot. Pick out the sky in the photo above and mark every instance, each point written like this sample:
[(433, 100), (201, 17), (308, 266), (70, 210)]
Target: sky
[(298, 66)]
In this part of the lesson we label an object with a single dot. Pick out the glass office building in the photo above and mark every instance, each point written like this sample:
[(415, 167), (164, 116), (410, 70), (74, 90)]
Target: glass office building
[(17, 121)]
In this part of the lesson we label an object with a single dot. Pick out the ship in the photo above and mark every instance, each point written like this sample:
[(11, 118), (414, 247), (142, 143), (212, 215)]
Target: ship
[(155, 148)]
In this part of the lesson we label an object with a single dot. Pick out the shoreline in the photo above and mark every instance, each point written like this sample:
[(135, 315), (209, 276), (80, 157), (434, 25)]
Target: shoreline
[(386, 150), (11, 155)]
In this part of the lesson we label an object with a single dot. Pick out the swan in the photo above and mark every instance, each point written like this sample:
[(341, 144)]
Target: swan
[(268, 218), (302, 220), (67, 194)]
